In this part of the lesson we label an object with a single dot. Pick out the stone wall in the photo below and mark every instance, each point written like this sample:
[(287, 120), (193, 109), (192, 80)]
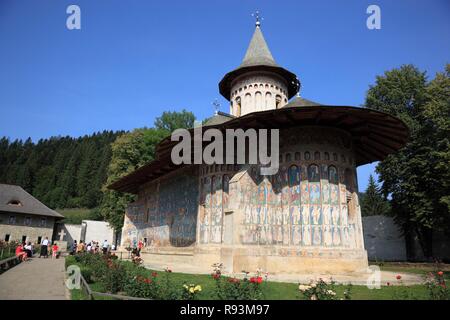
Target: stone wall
[(383, 239), (32, 227)]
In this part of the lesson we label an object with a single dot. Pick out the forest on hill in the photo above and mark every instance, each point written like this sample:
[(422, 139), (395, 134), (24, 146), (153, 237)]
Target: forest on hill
[(62, 172), (71, 174)]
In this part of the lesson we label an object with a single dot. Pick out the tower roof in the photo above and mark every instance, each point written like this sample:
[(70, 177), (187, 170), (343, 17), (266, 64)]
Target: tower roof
[(258, 58), (258, 52)]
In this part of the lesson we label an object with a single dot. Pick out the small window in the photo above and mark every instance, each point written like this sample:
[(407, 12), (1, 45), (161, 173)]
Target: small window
[(7, 237), (43, 222), (24, 239), (335, 157), (288, 157), (317, 155), (15, 203), (27, 221), (297, 156), (327, 156), (12, 219)]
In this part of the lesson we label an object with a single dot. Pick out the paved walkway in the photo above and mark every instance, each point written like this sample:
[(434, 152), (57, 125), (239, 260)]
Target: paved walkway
[(35, 279)]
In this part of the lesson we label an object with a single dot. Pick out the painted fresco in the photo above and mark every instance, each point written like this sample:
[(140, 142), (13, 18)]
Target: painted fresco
[(299, 206), (164, 216)]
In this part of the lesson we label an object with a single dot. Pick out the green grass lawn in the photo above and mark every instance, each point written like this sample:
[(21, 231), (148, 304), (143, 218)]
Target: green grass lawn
[(76, 215), (288, 291)]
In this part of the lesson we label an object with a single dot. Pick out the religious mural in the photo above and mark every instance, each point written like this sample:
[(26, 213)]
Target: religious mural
[(302, 205), (165, 214)]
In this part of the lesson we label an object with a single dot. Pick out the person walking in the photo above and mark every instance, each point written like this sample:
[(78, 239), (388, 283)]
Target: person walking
[(44, 248), (105, 247)]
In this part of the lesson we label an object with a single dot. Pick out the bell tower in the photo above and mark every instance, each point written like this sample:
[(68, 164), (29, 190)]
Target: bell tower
[(259, 83)]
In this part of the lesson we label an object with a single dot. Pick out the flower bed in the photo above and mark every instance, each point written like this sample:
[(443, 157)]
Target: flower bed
[(132, 279)]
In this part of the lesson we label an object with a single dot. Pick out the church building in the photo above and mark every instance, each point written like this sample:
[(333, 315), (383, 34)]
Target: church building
[(304, 219)]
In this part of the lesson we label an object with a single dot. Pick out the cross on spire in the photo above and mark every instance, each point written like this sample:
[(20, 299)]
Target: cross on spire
[(258, 18), (216, 105)]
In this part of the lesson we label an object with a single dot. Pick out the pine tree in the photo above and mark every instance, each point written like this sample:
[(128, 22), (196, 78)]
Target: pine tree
[(373, 203)]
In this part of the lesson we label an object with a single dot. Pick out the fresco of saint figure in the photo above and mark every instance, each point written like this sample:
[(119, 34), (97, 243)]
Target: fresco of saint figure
[(326, 214), (313, 173), (316, 214), (325, 193), (286, 234), (304, 192), (317, 235), (327, 237), (336, 236), (306, 235), (335, 214), (334, 195), (314, 193), (333, 175), (305, 215), (296, 235), (346, 240), (344, 215)]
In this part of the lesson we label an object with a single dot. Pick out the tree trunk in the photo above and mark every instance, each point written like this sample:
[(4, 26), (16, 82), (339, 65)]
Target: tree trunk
[(408, 234), (426, 242)]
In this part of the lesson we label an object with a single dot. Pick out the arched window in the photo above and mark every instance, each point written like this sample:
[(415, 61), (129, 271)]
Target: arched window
[(297, 156), (238, 107), (327, 156), (317, 155), (248, 100), (288, 157), (258, 101), (269, 101), (307, 156), (335, 157)]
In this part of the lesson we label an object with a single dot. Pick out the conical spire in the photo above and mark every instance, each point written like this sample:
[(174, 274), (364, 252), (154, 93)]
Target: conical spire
[(258, 52)]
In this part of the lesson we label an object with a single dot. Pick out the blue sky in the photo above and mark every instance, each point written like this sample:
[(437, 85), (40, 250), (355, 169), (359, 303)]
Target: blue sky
[(132, 60)]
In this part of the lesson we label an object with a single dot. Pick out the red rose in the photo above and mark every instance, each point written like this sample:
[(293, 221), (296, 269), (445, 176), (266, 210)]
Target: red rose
[(147, 281), (259, 279), (440, 273), (399, 277), (215, 276), (154, 274)]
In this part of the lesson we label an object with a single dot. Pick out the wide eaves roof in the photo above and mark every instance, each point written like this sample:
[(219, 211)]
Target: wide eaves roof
[(375, 135)]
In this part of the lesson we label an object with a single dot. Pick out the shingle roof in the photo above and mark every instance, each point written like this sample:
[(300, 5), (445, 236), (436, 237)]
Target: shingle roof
[(258, 52), (28, 204), (258, 58), (218, 118), (301, 102)]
